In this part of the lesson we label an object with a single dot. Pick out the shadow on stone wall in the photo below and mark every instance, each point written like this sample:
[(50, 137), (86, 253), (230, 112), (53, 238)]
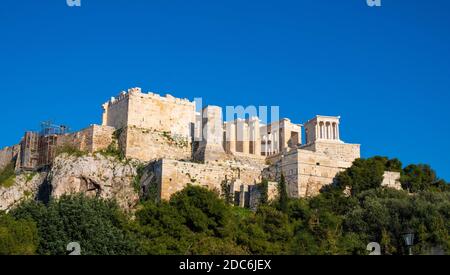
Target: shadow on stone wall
[(45, 191)]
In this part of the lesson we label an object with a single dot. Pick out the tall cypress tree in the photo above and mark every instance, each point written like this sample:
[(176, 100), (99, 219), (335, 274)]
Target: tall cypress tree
[(283, 195)]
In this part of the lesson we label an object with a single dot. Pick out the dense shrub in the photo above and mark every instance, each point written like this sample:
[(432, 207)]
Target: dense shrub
[(197, 221)]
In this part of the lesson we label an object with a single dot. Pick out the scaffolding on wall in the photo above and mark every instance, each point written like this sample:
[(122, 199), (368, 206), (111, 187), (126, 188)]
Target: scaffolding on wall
[(38, 149), (48, 128)]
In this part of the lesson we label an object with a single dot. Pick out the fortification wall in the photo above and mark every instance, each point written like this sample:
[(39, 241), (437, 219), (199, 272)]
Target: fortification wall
[(166, 114), (316, 170), (150, 111), (92, 139), (249, 159), (307, 171), (82, 140), (103, 136), (115, 111), (7, 155), (150, 144), (172, 176), (339, 152)]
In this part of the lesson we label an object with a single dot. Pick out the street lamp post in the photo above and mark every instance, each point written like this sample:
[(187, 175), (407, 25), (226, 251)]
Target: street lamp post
[(408, 237)]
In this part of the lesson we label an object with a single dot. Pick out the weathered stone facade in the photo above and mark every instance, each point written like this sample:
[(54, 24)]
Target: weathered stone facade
[(211, 145), (151, 111), (310, 167), (92, 139), (255, 194), (181, 146), (170, 176), (392, 180), (38, 150), (152, 144), (8, 155)]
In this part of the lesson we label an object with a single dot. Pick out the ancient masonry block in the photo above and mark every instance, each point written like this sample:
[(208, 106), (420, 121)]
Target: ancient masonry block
[(170, 176), (91, 139), (392, 180), (8, 155), (150, 111), (211, 145), (148, 144)]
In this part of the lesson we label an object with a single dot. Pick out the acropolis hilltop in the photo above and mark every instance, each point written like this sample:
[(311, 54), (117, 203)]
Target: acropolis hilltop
[(181, 146)]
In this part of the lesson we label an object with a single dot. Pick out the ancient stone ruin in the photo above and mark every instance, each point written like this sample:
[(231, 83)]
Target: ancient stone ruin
[(181, 146)]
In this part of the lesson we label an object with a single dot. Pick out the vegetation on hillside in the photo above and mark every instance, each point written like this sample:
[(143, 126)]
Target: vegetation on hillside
[(198, 221), (70, 149), (7, 176)]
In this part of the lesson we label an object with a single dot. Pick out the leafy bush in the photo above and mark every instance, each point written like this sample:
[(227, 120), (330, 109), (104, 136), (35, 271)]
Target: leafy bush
[(197, 221), (98, 225), (17, 237), (113, 151), (70, 150), (194, 221), (7, 176)]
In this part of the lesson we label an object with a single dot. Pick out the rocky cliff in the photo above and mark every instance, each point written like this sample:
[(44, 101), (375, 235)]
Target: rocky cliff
[(26, 186), (92, 175)]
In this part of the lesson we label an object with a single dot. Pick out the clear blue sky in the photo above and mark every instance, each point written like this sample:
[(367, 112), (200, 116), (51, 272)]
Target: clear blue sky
[(385, 70)]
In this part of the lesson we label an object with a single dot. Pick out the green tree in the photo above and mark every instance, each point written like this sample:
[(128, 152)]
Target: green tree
[(202, 210), (363, 175), (267, 232), (283, 194), (98, 225), (17, 237), (264, 192), (421, 177), (7, 175), (195, 221)]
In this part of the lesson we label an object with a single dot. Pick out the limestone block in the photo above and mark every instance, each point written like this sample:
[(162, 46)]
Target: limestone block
[(211, 147), (392, 180)]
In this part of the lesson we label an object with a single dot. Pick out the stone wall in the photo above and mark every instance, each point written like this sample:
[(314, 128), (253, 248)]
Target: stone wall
[(211, 146), (115, 111), (309, 169), (341, 153), (316, 170), (255, 194), (29, 151), (91, 139), (150, 144), (103, 136), (392, 180), (7, 155), (151, 111), (172, 176), (249, 159), (81, 140)]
